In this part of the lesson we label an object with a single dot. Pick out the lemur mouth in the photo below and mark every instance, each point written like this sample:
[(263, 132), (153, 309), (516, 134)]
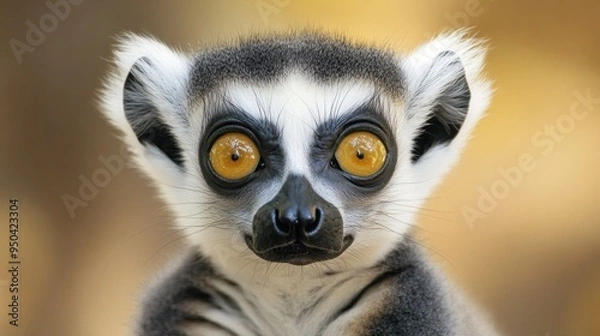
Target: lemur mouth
[(297, 253)]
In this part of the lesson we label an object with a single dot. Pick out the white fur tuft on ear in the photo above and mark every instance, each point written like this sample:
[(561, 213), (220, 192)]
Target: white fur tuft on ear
[(162, 78), (439, 68), (471, 52)]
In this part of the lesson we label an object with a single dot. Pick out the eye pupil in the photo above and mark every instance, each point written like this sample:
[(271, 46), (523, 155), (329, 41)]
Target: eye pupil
[(360, 155), (235, 156)]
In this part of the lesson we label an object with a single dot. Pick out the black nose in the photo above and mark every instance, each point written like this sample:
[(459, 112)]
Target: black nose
[(297, 226), (305, 220)]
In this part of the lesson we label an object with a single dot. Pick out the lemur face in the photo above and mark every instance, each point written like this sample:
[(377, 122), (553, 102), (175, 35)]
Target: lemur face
[(296, 149), (294, 159)]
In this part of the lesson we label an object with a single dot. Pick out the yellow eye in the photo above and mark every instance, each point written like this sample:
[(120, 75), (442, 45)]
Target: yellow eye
[(361, 154), (234, 156)]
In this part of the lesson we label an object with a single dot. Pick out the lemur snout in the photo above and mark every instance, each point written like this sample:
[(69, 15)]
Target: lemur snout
[(302, 219), (298, 226), (297, 211)]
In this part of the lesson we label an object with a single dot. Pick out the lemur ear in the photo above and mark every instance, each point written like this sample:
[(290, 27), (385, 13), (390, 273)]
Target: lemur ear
[(145, 98), (141, 100), (446, 95), (445, 91)]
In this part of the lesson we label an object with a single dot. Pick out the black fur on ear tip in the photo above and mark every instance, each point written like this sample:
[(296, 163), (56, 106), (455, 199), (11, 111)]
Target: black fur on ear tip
[(450, 108), (143, 115)]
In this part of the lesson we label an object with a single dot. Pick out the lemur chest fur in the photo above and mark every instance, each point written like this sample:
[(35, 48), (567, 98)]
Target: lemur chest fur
[(302, 307), (340, 303)]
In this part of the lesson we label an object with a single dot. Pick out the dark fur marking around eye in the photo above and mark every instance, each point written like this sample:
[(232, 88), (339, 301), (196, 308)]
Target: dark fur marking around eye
[(264, 133), (143, 116), (368, 117)]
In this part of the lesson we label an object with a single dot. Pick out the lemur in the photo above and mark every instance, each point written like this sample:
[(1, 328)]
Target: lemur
[(294, 165)]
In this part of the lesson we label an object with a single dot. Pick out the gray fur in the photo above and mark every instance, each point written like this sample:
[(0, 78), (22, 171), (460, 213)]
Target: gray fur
[(264, 59)]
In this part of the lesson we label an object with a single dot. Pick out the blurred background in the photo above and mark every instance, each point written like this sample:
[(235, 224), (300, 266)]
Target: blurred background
[(516, 224)]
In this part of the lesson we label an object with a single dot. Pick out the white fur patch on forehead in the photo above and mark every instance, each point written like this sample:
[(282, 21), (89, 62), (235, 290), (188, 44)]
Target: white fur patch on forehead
[(297, 104)]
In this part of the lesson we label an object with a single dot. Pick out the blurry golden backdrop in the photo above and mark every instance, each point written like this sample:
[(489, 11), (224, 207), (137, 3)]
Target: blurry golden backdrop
[(517, 223)]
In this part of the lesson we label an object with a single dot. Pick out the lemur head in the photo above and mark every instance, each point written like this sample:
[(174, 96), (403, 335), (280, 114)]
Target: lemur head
[(296, 149)]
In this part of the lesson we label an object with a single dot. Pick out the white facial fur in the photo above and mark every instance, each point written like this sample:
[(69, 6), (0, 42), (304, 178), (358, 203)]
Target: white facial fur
[(296, 105)]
